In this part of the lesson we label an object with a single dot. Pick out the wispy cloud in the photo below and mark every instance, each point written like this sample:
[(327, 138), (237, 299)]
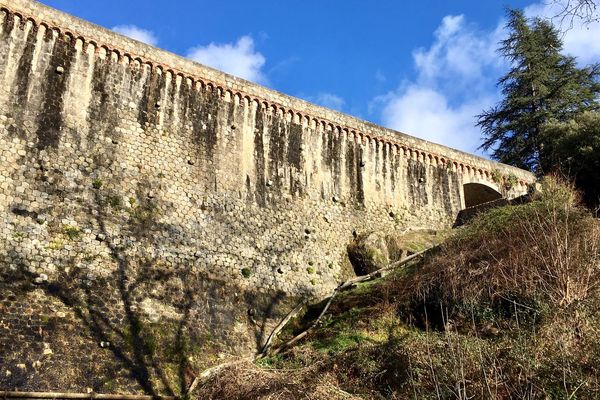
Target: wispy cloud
[(137, 33), (240, 59), (380, 76), (455, 80), (329, 100)]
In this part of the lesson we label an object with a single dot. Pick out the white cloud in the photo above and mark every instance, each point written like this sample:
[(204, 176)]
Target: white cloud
[(239, 59), (456, 78), (329, 100), (459, 50), (580, 40), (137, 33), (427, 113), (455, 81)]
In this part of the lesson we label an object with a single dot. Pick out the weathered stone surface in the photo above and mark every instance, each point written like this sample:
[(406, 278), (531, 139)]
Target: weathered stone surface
[(368, 252), (371, 251), (141, 184)]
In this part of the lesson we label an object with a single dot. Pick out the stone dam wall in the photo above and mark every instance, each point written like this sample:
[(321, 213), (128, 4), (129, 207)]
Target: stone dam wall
[(158, 215)]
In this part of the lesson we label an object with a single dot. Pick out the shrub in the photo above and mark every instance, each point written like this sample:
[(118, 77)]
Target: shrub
[(546, 250)]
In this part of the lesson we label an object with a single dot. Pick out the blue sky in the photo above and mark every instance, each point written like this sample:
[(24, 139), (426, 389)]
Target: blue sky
[(425, 67)]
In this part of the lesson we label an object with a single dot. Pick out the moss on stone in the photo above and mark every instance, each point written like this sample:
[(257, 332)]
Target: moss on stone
[(246, 272), (71, 232), (97, 183)]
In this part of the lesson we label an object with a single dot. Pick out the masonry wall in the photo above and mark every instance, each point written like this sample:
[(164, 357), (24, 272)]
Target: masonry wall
[(158, 215)]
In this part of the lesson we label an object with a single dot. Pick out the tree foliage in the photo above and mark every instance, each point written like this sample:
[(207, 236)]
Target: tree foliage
[(573, 148), (542, 85)]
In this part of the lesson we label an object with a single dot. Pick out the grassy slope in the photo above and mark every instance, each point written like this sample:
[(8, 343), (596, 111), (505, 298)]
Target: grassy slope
[(506, 309)]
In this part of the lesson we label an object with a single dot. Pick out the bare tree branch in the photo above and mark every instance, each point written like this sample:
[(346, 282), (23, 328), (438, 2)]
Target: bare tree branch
[(571, 11)]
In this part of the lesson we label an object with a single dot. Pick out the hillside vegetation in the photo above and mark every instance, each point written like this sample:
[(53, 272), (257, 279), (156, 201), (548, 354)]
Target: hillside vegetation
[(506, 308)]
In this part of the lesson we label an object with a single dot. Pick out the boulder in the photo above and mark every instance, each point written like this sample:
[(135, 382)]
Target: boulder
[(371, 251), (368, 252)]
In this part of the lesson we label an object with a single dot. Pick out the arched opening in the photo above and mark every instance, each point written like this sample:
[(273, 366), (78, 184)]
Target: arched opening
[(476, 193)]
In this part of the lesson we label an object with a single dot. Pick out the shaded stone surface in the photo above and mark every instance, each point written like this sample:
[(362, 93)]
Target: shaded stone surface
[(368, 252)]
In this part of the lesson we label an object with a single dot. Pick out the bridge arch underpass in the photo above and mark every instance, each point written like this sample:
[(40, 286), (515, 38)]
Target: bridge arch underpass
[(478, 193)]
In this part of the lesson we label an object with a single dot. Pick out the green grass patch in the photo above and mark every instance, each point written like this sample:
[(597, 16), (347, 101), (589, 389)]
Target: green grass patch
[(271, 361), (339, 343)]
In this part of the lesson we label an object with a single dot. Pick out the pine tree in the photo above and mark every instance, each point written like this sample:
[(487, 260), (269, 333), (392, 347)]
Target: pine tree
[(542, 84)]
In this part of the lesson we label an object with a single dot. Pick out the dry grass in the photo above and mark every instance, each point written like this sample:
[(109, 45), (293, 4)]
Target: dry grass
[(547, 250), (507, 309), (246, 381)]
